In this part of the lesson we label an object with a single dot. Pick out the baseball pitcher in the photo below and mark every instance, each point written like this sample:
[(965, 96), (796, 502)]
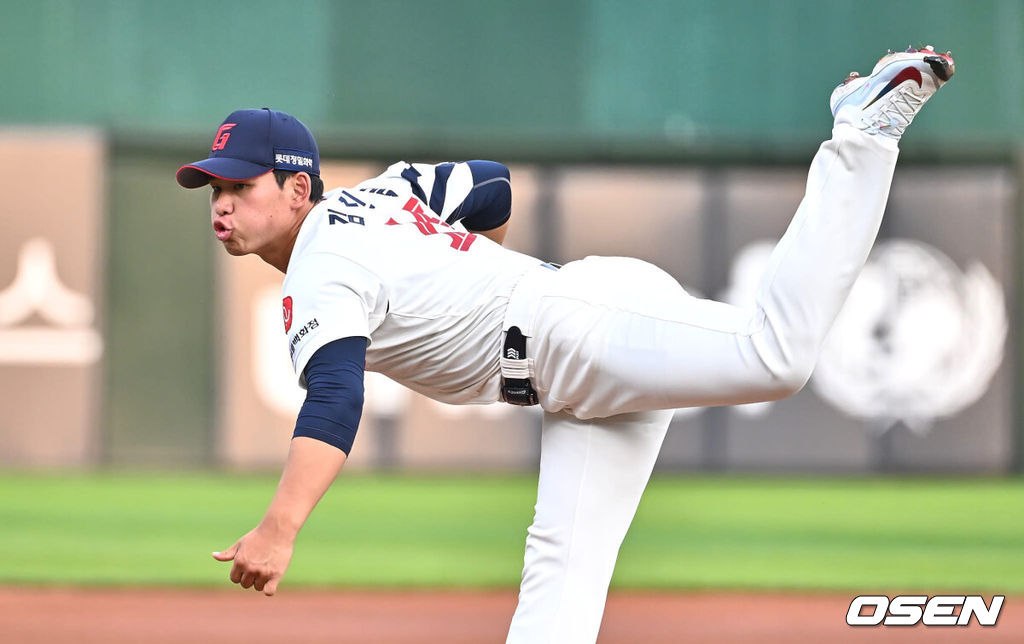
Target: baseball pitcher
[(405, 274)]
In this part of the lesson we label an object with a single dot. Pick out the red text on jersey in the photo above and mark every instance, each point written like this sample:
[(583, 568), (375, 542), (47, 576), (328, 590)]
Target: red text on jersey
[(428, 225)]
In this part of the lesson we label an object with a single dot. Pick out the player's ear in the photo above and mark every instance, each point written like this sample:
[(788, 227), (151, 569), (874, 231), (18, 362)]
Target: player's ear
[(300, 187)]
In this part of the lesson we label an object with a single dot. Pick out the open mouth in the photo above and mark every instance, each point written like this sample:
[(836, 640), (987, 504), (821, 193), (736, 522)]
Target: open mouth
[(222, 231)]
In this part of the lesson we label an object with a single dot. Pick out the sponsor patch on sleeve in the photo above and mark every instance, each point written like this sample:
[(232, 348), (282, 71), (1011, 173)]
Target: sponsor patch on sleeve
[(301, 334)]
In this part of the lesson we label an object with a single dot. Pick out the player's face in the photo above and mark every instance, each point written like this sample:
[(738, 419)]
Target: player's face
[(248, 215)]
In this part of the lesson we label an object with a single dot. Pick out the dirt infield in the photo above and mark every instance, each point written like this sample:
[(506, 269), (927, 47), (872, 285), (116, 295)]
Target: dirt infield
[(31, 616)]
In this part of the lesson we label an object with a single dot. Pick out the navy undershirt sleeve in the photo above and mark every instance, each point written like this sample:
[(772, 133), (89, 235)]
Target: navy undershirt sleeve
[(334, 393), (488, 204)]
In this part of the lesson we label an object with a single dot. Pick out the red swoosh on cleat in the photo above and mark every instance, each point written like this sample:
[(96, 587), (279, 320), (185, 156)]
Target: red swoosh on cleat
[(908, 73)]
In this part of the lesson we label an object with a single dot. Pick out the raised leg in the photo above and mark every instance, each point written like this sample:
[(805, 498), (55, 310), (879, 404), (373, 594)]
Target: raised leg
[(614, 337), (639, 342)]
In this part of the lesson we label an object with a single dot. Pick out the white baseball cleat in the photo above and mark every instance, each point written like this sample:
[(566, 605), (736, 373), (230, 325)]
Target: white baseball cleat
[(888, 100)]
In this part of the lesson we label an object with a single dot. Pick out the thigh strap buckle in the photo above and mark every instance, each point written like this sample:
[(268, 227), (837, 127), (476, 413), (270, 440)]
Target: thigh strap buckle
[(516, 388)]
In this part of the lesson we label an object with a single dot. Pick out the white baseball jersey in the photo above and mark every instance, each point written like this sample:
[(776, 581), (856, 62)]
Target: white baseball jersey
[(375, 261)]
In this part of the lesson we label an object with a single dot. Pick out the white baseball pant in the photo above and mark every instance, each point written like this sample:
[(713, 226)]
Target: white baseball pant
[(613, 339)]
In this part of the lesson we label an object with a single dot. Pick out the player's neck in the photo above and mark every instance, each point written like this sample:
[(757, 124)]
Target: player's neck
[(280, 253)]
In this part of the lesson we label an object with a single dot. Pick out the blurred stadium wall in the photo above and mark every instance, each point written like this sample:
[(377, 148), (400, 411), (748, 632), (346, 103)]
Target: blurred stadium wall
[(674, 131)]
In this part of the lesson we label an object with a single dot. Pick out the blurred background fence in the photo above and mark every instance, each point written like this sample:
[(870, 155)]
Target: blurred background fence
[(678, 132)]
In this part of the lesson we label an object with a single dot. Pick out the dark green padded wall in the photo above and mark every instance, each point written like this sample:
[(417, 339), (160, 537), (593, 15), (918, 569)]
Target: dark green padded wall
[(677, 70), (161, 310)]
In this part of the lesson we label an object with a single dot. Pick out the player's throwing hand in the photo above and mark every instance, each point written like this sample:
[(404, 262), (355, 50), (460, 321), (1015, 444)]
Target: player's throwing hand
[(260, 560)]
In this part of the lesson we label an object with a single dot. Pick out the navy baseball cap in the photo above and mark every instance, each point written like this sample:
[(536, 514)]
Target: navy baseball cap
[(253, 142)]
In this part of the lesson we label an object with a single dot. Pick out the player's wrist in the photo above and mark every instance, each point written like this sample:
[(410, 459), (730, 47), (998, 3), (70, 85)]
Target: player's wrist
[(276, 525)]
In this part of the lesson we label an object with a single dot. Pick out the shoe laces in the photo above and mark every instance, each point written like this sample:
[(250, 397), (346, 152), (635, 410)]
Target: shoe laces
[(896, 113)]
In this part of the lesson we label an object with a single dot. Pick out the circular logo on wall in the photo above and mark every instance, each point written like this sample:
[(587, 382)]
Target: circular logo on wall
[(918, 339)]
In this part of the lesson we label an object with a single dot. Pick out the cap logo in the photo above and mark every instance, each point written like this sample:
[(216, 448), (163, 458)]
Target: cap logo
[(223, 134)]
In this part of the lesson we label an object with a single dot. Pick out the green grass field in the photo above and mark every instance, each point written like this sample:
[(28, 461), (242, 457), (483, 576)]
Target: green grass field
[(965, 535)]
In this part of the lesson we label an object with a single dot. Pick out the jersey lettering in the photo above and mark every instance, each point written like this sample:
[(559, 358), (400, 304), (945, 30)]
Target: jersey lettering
[(462, 241), (380, 191), (337, 217), (355, 201), (428, 225)]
